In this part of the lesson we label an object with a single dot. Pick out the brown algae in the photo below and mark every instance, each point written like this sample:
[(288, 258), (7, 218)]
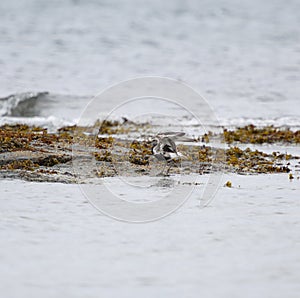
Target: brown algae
[(51, 151), (251, 134)]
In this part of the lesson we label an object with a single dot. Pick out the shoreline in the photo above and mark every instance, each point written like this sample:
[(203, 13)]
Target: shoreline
[(106, 150)]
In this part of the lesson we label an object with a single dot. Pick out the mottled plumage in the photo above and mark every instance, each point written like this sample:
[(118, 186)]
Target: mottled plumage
[(164, 147)]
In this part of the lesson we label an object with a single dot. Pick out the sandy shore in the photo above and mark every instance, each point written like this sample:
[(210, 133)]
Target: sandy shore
[(76, 154), (54, 243)]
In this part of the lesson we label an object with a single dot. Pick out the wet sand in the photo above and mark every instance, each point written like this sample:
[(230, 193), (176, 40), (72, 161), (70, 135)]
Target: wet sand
[(245, 243)]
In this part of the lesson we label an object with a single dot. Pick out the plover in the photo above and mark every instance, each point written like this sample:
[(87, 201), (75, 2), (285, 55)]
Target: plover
[(164, 147)]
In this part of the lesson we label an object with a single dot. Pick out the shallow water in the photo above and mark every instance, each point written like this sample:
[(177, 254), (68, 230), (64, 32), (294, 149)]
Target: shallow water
[(243, 57), (246, 242)]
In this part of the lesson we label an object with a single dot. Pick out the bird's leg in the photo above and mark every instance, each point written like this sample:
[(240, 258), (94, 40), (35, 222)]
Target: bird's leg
[(171, 163), (167, 172), (162, 171)]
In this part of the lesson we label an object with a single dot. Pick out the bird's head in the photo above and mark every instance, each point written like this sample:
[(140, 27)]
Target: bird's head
[(152, 141)]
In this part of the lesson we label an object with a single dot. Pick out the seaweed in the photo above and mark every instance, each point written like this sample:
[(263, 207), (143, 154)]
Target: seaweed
[(104, 143), (140, 152), (228, 184), (34, 149), (103, 156), (251, 134), (26, 164), (243, 161)]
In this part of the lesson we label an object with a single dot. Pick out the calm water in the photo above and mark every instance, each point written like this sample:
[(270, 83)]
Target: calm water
[(246, 243)]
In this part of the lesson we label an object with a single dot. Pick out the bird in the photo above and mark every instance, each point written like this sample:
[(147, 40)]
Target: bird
[(164, 147)]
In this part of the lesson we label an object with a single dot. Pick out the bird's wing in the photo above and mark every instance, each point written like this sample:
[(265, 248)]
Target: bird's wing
[(168, 145), (176, 136), (184, 139), (168, 148), (170, 134)]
